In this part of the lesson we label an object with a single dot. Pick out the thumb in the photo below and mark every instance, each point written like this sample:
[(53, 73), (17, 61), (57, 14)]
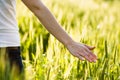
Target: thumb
[(90, 47)]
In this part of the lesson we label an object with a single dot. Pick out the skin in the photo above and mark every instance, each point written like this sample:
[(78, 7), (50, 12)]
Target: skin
[(79, 50)]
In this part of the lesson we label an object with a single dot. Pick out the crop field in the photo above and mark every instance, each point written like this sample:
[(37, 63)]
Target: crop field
[(93, 22)]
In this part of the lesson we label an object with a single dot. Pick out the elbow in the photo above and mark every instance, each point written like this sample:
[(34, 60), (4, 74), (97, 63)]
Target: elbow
[(34, 6), (37, 7), (37, 10)]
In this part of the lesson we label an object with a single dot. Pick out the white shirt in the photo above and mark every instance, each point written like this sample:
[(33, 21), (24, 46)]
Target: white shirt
[(9, 34)]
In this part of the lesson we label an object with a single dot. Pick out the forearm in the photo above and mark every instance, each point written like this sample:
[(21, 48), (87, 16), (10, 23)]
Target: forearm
[(50, 23)]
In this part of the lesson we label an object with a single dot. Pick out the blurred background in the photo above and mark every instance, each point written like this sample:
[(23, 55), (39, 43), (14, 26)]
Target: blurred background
[(93, 22)]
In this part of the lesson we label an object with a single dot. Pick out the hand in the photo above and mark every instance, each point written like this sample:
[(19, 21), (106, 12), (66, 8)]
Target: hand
[(82, 51)]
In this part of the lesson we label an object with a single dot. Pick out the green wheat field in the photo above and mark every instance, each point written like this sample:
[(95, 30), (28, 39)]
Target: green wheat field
[(93, 22)]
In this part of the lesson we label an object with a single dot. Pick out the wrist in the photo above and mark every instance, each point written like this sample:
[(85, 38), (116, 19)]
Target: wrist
[(69, 42)]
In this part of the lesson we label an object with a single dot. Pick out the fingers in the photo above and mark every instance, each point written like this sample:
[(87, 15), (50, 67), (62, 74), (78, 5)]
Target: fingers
[(88, 55), (82, 52), (92, 58), (80, 57), (91, 54)]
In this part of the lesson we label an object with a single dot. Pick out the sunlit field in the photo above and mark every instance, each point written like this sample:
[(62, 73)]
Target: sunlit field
[(93, 22)]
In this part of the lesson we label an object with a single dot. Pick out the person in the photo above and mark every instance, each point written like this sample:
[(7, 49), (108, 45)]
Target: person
[(9, 32)]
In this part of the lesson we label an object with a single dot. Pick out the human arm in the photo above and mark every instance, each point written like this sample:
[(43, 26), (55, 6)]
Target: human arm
[(48, 20)]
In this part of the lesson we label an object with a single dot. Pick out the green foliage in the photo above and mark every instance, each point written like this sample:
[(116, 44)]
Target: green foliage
[(93, 22)]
